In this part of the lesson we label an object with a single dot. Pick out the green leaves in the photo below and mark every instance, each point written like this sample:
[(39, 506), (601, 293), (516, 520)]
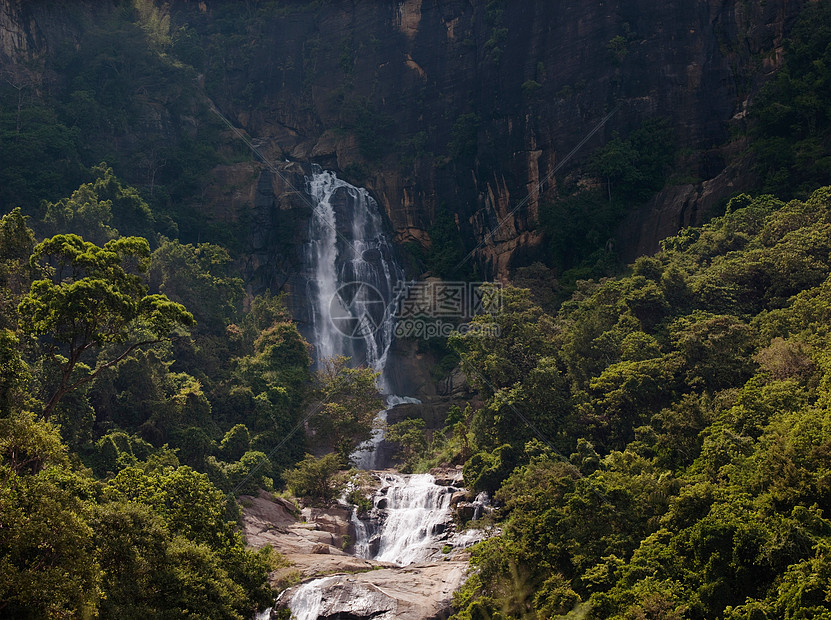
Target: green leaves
[(94, 297), (348, 403), (694, 395)]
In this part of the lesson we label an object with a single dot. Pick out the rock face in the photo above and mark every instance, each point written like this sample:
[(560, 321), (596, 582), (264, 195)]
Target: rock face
[(411, 525), (472, 105), (457, 105), (420, 593)]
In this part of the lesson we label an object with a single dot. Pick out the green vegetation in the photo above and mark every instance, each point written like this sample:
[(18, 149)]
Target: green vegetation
[(348, 402), (464, 138), (116, 94), (315, 478), (657, 443), (494, 11), (692, 397), (409, 434), (579, 227), (792, 115), (370, 127), (128, 424)]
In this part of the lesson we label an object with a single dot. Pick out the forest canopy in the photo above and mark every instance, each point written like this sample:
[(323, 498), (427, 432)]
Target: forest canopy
[(684, 408)]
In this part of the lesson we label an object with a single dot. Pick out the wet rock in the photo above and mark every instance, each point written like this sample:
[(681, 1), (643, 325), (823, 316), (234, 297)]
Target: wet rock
[(465, 511), (458, 496), (448, 476)]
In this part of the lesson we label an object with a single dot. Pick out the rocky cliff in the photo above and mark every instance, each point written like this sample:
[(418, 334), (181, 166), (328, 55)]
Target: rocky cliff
[(461, 105), (472, 105)]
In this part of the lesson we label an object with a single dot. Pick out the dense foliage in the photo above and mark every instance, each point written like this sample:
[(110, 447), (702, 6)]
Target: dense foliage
[(692, 396), (658, 444), (792, 116), (128, 424)]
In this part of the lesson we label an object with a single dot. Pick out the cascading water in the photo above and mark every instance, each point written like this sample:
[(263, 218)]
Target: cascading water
[(416, 516), (417, 511), (352, 286), (353, 274), (353, 283)]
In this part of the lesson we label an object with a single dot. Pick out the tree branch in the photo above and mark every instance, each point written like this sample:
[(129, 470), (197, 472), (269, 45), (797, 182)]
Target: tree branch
[(66, 387)]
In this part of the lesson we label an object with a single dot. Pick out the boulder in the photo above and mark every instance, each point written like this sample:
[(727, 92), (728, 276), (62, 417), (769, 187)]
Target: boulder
[(412, 593)]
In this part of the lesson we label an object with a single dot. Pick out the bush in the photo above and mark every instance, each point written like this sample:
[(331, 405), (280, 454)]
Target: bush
[(315, 477)]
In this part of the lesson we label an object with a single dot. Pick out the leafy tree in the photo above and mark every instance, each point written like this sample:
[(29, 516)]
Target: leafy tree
[(198, 277), (410, 435), (697, 393), (98, 210), (16, 273), (92, 298), (13, 373), (84, 214), (315, 477), (236, 442), (347, 403), (47, 561), (791, 118)]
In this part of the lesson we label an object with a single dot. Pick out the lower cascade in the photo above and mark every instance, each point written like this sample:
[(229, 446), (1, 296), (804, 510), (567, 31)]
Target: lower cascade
[(417, 512), (411, 524)]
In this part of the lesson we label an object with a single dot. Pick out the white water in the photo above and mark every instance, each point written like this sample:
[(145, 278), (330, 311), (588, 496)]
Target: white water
[(305, 604), (416, 507), (347, 245), (417, 510), (353, 287), (354, 277), (366, 456)]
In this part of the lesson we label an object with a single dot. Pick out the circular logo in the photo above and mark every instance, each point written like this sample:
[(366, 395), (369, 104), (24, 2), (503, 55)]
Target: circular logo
[(357, 310)]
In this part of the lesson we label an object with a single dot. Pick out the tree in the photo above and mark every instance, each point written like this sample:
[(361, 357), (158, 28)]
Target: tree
[(99, 209), (16, 274), (47, 561), (348, 403), (409, 434), (314, 477), (198, 276), (92, 299)]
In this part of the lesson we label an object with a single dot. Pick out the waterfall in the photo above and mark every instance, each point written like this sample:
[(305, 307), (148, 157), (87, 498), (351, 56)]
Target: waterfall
[(417, 512), (353, 280), (352, 288), (353, 275), (305, 604)]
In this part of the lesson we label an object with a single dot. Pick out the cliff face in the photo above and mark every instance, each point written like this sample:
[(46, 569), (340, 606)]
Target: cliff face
[(473, 104), (463, 105)]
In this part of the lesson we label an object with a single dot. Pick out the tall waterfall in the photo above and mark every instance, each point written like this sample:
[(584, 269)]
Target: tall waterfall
[(352, 286), (353, 274), (353, 281)]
